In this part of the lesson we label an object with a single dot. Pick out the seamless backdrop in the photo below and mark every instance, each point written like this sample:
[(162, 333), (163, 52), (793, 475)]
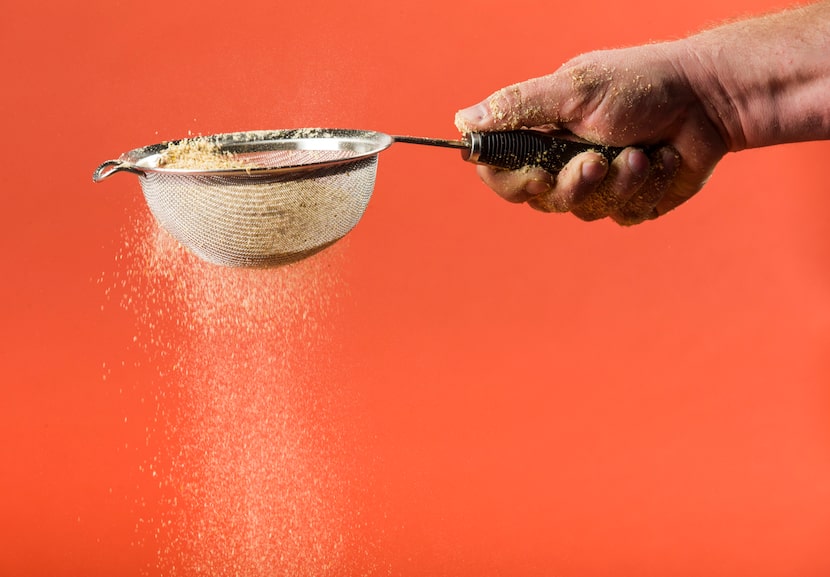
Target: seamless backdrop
[(461, 386)]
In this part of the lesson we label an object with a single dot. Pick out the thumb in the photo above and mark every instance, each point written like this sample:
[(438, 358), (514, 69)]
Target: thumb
[(535, 102)]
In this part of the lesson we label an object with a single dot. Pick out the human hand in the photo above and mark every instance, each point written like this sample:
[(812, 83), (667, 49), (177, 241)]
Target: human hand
[(639, 98)]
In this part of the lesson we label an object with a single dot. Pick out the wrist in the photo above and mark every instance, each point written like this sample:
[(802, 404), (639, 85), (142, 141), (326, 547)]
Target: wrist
[(764, 81), (705, 70)]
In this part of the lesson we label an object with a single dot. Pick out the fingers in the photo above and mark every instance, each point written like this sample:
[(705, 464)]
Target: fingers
[(534, 102), (626, 174), (517, 185), (686, 183), (628, 190), (574, 183), (642, 205), (544, 191)]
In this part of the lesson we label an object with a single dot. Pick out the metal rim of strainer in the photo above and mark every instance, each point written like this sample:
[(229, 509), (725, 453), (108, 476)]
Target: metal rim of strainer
[(359, 144), (261, 215)]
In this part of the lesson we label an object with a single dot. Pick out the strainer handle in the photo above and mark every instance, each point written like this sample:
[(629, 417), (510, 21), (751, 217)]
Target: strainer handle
[(110, 167), (516, 149)]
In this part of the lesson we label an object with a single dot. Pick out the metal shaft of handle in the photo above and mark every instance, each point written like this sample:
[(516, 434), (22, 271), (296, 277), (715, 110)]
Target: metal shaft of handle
[(443, 143), (516, 149)]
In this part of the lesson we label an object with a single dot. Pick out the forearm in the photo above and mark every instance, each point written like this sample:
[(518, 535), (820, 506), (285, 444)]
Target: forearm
[(765, 81)]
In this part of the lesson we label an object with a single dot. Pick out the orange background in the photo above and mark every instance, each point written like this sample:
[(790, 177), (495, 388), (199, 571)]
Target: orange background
[(503, 392)]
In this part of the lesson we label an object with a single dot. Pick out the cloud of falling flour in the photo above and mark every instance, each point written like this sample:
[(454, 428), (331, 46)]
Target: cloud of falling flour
[(255, 452)]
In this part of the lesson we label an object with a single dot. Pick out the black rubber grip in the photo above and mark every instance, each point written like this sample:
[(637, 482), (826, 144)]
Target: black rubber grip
[(516, 149)]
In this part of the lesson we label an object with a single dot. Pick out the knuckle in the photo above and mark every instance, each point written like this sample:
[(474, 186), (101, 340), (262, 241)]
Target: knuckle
[(506, 106)]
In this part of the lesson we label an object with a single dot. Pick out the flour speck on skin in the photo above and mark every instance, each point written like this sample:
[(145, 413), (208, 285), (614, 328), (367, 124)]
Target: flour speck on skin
[(255, 463)]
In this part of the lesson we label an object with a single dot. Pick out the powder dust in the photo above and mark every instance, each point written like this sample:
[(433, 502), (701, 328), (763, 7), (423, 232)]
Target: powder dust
[(256, 455)]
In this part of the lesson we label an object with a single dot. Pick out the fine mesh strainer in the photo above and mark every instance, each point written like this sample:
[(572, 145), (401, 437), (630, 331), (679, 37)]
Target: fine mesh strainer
[(295, 192)]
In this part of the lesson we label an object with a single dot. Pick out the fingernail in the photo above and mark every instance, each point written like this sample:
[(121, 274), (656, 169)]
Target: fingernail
[(669, 159), (593, 171), (470, 118), (535, 187), (637, 162)]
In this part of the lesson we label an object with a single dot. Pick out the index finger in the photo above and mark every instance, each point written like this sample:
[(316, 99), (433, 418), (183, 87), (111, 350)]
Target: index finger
[(535, 102)]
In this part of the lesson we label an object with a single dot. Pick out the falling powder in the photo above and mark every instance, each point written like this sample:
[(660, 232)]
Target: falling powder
[(256, 463)]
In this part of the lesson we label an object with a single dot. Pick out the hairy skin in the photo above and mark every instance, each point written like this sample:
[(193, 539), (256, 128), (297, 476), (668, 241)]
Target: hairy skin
[(749, 84)]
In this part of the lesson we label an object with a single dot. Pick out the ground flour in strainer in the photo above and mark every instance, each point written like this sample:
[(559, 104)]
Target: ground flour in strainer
[(198, 153), (254, 460)]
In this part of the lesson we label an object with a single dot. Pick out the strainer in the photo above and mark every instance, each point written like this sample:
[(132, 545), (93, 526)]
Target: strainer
[(295, 192)]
